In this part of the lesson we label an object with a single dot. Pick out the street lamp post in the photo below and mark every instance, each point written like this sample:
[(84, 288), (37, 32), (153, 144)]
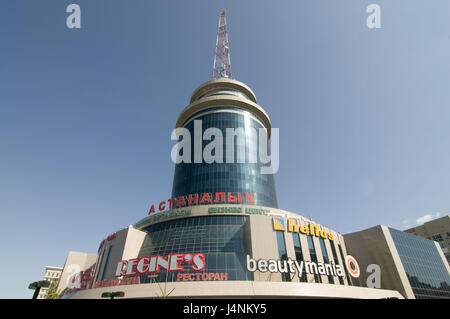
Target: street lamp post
[(37, 285)]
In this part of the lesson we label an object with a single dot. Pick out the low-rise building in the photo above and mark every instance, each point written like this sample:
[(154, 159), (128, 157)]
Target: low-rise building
[(414, 266), (52, 275), (437, 230)]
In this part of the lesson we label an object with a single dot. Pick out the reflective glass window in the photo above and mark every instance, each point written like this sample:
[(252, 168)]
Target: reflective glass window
[(336, 261), (193, 178), (423, 264), (325, 257), (350, 282), (282, 254), (220, 238), (313, 256), (298, 253)]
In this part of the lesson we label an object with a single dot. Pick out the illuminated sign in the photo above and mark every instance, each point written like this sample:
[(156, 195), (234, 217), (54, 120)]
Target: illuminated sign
[(152, 265), (293, 266), (278, 223), (352, 266), (166, 215), (205, 198), (222, 210), (203, 276), (237, 210), (294, 227), (118, 282)]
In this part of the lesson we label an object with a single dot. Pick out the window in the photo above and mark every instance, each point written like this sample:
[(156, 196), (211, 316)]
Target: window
[(313, 256), (282, 254), (298, 253), (336, 261), (325, 258), (98, 265), (106, 263), (192, 178), (426, 271), (220, 238), (345, 268)]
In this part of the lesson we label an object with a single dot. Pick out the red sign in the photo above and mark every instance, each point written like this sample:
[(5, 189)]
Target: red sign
[(206, 198), (110, 237), (118, 282), (204, 276), (79, 281), (152, 265)]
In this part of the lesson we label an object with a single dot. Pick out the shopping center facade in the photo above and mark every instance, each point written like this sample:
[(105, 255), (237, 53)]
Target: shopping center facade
[(221, 234), (223, 251)]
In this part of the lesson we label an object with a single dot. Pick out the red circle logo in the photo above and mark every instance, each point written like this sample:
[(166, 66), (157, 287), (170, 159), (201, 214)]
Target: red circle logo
[(352, 266)]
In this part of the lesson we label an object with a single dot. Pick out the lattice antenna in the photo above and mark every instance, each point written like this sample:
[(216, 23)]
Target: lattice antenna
[(222, 64)]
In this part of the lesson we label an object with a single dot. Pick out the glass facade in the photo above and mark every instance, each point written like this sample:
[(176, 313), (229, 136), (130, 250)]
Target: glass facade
[(350, 282), (220, 238), (423, 264), (99, 266), (313, 256), (193, 178), (298, 253), (106, 263), (326, 260), (336, 261), (282, 254)]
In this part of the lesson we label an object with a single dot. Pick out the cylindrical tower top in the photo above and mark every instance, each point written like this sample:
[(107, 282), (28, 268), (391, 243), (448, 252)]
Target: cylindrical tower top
[(224, 84), (223, 92)]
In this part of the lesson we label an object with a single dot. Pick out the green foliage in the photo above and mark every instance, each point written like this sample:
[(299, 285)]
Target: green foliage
[(53, 292)]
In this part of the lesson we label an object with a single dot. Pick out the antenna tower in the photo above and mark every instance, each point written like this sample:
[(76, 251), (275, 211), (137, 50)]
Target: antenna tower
[(222, 64)]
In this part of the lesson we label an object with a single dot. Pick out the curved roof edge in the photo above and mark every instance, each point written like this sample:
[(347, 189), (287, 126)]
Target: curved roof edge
[(223, 83), (224, 100)]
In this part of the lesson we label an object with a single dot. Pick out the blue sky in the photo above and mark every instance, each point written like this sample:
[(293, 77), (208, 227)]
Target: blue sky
[(86, 115)]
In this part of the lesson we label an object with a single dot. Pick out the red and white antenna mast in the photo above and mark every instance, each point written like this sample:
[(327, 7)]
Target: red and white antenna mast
[(222, 64)]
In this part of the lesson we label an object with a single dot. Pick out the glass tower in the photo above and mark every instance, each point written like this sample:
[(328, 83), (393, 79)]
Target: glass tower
[(225, 104)]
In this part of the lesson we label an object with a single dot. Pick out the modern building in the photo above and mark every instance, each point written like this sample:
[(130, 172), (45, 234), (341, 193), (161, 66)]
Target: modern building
[(223, 251), (438, 230), (414, 266), (227, 110), (52, 275), (225, 104), (221, 234)]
